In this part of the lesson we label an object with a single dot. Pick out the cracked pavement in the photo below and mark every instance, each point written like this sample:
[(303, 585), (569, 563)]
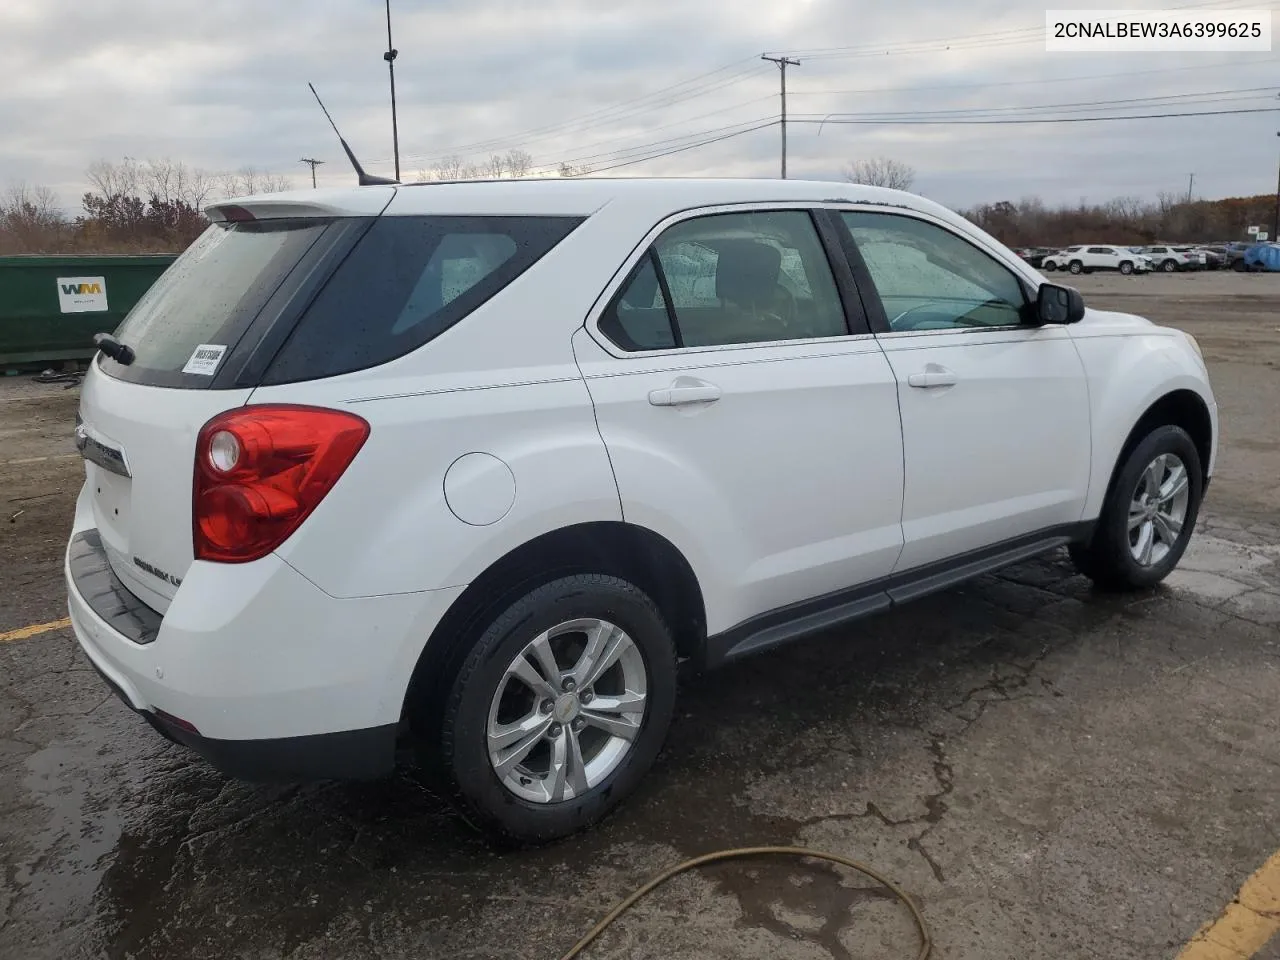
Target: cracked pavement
[(1049, 771)]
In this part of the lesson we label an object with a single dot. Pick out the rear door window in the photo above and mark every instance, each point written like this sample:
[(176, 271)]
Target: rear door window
[(407, 281), (729, 278)]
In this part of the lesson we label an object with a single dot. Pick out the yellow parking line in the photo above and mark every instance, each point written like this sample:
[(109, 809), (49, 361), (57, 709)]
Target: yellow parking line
[(36, 628), (1248, 922)]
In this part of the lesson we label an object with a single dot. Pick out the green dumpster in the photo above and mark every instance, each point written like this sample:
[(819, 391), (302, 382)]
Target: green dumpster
[(50, 307)]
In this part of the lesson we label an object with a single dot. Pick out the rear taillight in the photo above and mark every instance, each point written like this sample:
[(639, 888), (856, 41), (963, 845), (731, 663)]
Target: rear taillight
[(261, 470)]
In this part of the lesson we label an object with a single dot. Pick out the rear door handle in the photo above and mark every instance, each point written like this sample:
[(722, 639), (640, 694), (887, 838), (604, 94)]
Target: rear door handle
[(933, 375), (681, 393)]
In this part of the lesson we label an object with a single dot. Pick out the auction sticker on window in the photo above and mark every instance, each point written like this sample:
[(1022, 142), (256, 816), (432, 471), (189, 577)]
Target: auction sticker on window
[(205, 359), (82, 294)]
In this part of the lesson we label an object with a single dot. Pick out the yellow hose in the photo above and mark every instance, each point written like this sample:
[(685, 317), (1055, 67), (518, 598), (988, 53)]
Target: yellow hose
[(926, 941)]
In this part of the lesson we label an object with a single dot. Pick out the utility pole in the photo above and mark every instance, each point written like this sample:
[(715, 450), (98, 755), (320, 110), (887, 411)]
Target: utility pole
[(390, 57), (314, 164), (783, 63), (1191, 184)]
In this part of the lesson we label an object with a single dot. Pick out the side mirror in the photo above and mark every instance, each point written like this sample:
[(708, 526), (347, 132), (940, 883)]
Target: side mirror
[(1058, 304)]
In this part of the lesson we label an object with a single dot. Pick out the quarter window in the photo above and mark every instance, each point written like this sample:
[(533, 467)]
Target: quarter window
[(729, 278), (930, 279)]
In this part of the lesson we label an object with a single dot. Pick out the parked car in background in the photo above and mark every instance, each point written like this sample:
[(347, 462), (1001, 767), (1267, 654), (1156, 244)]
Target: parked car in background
[(467, 469), (1059, 259), (1172, 259), (1215, 257), (1088, 258), (1033, 255)]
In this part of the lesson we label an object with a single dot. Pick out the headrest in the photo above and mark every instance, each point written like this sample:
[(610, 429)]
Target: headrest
[(746, 270)]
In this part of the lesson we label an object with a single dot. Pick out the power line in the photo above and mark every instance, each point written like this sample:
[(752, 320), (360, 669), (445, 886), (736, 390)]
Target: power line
[(664, 96), (692, 146), (649, 145), (880, 91), (1021, 120), (675, 123), (1128, 102)]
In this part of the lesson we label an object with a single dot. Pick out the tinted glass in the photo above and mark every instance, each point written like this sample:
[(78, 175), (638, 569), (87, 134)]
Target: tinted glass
[(929, 278), (750, 278), (209, 297), (637, 319), (408, 280), (736, 278)]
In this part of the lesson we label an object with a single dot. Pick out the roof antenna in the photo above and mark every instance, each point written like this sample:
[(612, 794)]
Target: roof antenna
[(364, 179)]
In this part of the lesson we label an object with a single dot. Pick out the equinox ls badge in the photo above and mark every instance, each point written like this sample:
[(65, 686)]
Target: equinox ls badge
[(157, 572)]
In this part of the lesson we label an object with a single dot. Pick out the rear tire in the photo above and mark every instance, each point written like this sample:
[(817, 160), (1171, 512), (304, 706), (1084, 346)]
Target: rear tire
[(1169, 266), (584, 759), (1050, 267), (1076, 267), (1148, 516)]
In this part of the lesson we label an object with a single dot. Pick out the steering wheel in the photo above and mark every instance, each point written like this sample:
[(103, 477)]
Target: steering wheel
[(893, 324), (966, 319)]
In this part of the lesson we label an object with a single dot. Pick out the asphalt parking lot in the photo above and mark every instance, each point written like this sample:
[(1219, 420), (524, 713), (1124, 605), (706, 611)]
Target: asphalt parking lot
[(1049, 771)]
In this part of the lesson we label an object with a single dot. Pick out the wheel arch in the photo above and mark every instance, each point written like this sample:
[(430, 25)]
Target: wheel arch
[(616, 548), (1181, 407)]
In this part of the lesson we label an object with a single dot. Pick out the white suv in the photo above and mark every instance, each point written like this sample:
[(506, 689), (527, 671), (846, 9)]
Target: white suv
[(1173, 259), (467, 468), (1087, 259)]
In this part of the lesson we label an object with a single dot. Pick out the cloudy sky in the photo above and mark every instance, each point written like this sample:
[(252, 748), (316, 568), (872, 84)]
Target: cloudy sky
[(221, 84)]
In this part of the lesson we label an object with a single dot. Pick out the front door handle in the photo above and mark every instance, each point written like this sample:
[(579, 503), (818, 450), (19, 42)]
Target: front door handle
[(933, 375), (684, 392)]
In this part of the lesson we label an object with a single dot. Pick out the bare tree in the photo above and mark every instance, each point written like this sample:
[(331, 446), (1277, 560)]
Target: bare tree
[(249, 180), (31, 218), (881, 172), (567, 169), (496, 166), (123, 179), (518, 163), (450, 168), (170, 181)]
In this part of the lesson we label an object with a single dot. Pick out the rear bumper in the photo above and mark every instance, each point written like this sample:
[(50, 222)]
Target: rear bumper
[(345, 755), (270, 677)]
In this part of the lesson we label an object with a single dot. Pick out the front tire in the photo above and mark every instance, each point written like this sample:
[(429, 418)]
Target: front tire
[(1148, 516), (1126, 268), (559, 709), (1169, 266), (1076, 267), (1050, 267)]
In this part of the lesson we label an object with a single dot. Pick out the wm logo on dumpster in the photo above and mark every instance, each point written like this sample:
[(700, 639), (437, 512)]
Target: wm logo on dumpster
[(82, 294)]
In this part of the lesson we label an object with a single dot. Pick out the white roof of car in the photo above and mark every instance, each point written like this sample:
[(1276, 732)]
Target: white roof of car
[(578, 196)]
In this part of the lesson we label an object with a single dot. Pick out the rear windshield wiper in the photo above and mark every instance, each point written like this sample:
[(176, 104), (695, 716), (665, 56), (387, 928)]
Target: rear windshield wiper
[(121, 353)]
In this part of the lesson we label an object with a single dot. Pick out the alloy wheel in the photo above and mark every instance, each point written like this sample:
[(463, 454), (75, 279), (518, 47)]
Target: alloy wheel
[(1158, 509), (567, 711)]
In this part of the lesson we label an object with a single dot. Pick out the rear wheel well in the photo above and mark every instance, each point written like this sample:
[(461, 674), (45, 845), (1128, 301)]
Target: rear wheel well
[(623, 550), (1181, 408)]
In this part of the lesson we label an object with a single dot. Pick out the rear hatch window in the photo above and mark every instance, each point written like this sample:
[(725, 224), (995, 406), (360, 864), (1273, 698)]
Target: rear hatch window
[(184, 328), (407, 281)]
